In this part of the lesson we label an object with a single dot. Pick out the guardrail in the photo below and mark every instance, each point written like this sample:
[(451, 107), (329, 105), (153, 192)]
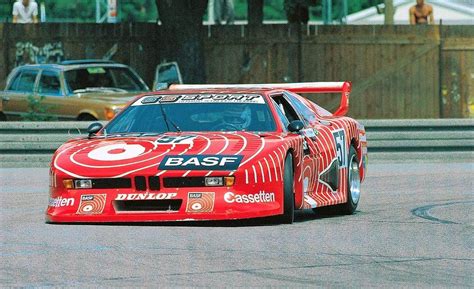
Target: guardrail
[(31, 144)]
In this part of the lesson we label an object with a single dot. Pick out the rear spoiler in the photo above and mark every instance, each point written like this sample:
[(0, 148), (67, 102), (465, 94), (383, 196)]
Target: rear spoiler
[(301, 87)]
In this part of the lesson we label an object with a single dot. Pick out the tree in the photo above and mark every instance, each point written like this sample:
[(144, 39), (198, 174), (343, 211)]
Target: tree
[(182, 29)]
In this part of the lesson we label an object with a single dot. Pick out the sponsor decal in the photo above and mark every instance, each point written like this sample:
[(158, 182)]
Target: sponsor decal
[(184, 139), (260, 197), (200, 98), (145, 196), (201, 162), (60, 202), (200, 202), (92, 204), (341, 150)]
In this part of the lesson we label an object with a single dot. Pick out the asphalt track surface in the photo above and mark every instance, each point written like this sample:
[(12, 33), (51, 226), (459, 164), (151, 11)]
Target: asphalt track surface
[(414, 228)]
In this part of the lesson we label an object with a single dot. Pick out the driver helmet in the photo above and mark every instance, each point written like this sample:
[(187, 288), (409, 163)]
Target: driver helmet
[(239, 115)]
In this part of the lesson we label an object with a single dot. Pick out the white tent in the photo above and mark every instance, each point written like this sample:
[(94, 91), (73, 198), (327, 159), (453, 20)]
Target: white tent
[(451, 12)]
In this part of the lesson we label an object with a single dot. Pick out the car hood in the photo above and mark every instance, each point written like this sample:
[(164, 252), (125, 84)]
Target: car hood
[(116, 97), (168, 153)]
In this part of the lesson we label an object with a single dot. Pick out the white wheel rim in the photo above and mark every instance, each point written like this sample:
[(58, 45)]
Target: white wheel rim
[(354, 180)]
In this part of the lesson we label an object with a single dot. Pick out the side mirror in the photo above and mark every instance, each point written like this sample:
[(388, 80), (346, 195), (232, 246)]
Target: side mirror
[(295, 126), (94, 128)]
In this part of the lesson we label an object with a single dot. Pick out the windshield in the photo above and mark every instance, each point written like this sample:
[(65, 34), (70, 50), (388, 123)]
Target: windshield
[(97, 77), (149, 116)]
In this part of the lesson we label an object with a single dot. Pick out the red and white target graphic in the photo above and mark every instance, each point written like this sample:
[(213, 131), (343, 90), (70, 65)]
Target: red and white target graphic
[(200, 202), (115, 152), (119, 157), (92, 204)]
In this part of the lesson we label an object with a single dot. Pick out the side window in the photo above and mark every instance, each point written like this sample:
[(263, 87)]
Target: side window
[(286, 107), (308, 115), (281, 116), (49, 84), (27, 81), (14, 83)]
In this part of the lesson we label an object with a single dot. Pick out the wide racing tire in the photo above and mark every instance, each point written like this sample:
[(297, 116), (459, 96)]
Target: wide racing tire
[(353, 185), (288, 196)]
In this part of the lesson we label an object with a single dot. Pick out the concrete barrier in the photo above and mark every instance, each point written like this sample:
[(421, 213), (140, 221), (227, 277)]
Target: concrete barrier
[(31, 144)]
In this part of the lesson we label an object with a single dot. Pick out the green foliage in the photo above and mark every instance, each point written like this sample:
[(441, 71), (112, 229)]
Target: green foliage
[(273, 10), (138, 10), (240, 9), (145, 10), (37, 110)]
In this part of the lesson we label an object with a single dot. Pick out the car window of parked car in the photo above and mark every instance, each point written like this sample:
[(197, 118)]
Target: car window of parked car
[(307, 114), (25, 82), (97, 77), (125, 80), (14, 83), (49, 84)]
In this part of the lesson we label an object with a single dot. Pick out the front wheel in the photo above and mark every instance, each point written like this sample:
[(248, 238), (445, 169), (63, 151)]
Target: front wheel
[(353, 185), (288, 196)]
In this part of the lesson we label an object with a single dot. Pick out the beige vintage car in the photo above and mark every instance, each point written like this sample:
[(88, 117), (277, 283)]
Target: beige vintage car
[(74, 90)]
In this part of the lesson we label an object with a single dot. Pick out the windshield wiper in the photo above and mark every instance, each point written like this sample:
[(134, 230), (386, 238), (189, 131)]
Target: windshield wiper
[(165, 118)]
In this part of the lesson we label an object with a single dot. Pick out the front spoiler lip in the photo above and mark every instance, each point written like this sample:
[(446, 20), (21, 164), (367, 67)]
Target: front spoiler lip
[(155, 217)]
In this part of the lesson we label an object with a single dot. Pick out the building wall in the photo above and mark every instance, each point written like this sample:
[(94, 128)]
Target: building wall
[(395, 70)]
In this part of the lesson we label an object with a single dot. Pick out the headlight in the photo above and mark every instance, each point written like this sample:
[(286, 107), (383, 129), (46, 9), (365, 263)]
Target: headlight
[(214, 181), (83, 184), (219, 181), (77, 184)]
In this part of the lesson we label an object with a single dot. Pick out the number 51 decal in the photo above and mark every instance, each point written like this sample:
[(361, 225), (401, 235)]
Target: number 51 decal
[(341, 151)]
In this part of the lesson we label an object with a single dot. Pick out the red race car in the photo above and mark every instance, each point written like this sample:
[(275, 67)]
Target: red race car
[(213, 152)]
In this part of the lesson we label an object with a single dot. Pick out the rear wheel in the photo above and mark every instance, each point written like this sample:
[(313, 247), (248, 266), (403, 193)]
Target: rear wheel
[(353, 185), (288, 196)]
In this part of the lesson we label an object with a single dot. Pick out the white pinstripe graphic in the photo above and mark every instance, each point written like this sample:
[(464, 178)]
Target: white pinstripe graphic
[(225, 146), (223, 149), (327, 139), (282, 155), (279, 164), (186, 173), (261, 170), (80, 176), (71, 158), (199, 153), (254, 173), (246, 176), (274, 166), (268, 168), (241, 150), (243, 146), (255, 154)]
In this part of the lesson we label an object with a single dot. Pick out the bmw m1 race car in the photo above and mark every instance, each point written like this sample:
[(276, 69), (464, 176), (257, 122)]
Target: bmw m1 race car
[(213, 152)]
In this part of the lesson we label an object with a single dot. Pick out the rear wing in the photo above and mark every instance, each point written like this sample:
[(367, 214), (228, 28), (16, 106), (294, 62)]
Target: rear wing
[(344, 88)]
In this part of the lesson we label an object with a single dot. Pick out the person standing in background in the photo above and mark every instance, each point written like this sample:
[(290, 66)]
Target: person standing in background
[(224, 12), (421, 13), (25, 11)]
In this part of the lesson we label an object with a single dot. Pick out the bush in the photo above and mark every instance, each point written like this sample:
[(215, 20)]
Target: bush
[(37, 110)]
